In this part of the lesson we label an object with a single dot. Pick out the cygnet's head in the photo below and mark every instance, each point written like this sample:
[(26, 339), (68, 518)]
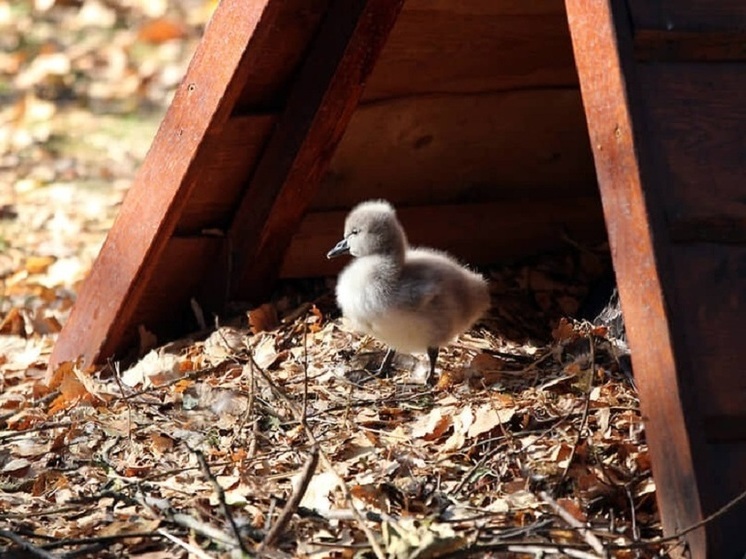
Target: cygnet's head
[(371, 228)]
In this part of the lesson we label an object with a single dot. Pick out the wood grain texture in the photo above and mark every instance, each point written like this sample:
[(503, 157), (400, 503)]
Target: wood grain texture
[(730, 459), (653, 45), (101, 323), (696, 117), (165, 308), (277, 52), (228, 155), (635, 222), (474, 47), (323, 99), (481, 233), (688, 15), (462, 148), (716, 301)]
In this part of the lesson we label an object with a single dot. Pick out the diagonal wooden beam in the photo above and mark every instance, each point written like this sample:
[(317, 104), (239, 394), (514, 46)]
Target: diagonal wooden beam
[(319, 108), (628, 177), (110, 296)]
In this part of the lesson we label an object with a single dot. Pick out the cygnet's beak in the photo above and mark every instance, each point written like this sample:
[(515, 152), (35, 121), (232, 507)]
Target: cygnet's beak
[(342, 247)]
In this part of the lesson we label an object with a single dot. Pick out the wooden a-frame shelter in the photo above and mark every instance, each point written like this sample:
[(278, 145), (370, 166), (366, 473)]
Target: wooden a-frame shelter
[(467, 114)]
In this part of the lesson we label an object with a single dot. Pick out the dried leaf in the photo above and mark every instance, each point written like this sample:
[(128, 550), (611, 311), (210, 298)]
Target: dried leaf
[(161, 30), (13, 324), (488, 418), (263, 318), (155, 368), (564, 331), (432, 426), (17, 467)]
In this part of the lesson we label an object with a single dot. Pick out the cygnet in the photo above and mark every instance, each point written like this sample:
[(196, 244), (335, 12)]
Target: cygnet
[(413, 299)]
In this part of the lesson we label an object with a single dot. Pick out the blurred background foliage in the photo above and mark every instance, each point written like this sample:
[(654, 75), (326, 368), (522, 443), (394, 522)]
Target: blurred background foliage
[(84, 85)]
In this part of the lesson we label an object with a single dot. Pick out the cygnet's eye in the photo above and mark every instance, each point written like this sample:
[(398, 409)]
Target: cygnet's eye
[(355, 231)]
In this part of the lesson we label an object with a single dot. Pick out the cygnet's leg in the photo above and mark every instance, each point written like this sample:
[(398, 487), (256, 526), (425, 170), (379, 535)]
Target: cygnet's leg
[(385, 367), (432, 353)]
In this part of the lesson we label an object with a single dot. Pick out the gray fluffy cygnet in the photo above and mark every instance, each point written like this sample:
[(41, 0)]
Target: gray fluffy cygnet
[(413, 299)]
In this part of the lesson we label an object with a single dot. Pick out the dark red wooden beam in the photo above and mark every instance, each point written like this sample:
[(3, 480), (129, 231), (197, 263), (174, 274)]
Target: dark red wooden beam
[(629, 175), (319, 108), (111, 294)]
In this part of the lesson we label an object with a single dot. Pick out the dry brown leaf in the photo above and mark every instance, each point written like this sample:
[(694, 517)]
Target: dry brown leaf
[(13, 323), (572, 507), (17, 467), (315, 324), (488, 418), (564, 331), (265, 353), (39, 264), (370, 494), (319, 491), (160, 443), (160, 30), (46, 324), (156, 368), (263, 319), (432, 426), (48, 481)]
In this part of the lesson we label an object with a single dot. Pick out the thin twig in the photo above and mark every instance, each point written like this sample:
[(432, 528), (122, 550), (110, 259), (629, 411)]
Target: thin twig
[(542, 551), (192, 549), (26, 546), (221, 498), (41, 402), (588, 536), (538, 549), (292, 504), (159, 509), (193, 375), (467, 476), (632, 513), (584, 417), (114, 366), (709, 518), (38, 428), (97, 539), (202, 528), (324, 460), (304, 412)]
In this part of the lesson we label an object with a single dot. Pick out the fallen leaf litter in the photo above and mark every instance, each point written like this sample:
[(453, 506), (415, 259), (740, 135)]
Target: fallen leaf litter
[(131, 460)]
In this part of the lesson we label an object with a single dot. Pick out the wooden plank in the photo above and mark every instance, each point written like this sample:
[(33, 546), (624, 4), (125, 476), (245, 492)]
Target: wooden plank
[(505, 8), (716, 297), (319, 108), (165, 308), (731, 459), (476, 233), (696, 115), (688, 15), (653, 45), (726, 428), (227, 157), (112, 294), (723, 228), (276, 60), (636, 226), (474, 47), (462, 148)]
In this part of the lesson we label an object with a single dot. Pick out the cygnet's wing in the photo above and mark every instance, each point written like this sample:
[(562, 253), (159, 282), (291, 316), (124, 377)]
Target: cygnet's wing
[(424, 278), (438, 283)]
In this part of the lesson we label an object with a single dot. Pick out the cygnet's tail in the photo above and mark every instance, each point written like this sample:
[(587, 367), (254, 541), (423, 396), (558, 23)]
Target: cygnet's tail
[(477, 298)]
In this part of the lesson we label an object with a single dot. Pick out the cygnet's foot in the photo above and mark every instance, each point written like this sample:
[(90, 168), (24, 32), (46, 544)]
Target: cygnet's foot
[(432, 353)]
